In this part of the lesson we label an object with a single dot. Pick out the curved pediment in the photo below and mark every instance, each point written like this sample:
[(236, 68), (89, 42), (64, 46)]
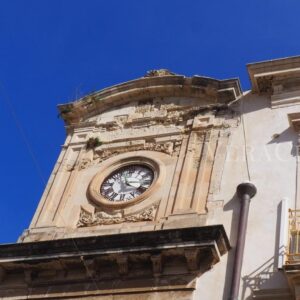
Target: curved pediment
[(156, 83)]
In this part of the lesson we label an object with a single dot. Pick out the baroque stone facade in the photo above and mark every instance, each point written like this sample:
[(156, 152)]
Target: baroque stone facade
[(107, 229)]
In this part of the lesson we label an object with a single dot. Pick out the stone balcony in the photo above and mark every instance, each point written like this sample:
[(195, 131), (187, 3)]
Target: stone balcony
[(156, 260)]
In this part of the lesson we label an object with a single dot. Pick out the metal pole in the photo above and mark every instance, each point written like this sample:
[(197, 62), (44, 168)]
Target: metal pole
[(245, 192)]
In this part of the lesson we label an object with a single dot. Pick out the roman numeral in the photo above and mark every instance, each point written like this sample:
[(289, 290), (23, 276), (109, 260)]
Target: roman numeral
[(141, 189), (106, 192), (116, 176), (114, 195), (107, 185), (147, 182), (130, 170)]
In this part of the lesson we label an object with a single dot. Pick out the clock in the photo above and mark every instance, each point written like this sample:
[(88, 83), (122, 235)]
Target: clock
[(127, 183)]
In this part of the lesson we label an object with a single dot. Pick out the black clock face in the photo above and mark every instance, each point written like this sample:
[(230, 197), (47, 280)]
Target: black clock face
[(127, 183)]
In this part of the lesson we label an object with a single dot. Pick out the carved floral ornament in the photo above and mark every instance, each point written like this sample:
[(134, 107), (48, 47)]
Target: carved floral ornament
[(102, 218), (100, 155)]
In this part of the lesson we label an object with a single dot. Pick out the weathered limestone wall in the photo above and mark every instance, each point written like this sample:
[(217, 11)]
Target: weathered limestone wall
[(187, 143)]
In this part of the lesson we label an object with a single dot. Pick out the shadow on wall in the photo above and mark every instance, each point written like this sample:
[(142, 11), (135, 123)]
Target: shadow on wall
[(266, 276), (263, 278), (249, 105), (288, 135)]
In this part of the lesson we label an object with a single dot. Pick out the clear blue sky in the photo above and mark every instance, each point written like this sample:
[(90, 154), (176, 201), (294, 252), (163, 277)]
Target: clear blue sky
[(52, 51)]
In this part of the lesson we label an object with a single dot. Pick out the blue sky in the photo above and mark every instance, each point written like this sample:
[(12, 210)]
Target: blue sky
[(53, 51)]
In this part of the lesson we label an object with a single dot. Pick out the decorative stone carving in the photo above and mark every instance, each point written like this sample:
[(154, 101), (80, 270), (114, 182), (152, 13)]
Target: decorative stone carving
[(84, 163), (158, 73), (278, 79), (69, 167), (102, 218), (265, 84), (171, 148)]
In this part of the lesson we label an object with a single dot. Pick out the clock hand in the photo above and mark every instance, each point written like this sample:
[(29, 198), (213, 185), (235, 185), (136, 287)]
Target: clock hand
[(141, 182), (134, 182)]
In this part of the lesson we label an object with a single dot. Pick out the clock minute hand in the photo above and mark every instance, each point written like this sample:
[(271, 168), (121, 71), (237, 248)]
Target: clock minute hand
[(133, 182)]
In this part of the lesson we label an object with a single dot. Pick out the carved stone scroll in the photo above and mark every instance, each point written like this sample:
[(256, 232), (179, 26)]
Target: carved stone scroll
[(102, 218)]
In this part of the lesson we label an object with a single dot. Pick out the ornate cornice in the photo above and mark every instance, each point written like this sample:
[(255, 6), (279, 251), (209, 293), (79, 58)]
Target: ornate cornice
[(209, 91), (280, 79)]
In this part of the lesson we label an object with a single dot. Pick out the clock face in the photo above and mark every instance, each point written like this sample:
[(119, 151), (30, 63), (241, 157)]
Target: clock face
[(127, 183)]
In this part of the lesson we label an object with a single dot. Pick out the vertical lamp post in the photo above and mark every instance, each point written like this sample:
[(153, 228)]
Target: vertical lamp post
[(245, 192)]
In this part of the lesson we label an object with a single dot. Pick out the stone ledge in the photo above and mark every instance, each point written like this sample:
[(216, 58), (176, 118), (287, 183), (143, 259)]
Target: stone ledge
[(139, 241)]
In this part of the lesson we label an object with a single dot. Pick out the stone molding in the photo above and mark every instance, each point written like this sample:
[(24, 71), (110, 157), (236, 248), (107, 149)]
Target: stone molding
[(214, 92), (280, 79)]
